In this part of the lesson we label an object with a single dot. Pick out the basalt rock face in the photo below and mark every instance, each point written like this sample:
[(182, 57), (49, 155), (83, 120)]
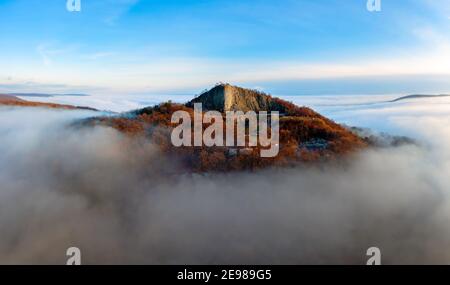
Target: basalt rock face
[(226, 97)]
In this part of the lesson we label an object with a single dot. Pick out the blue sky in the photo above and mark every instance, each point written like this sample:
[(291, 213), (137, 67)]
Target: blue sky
[(184, 46)]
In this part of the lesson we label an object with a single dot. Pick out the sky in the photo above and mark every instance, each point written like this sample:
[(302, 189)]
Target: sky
[(285, 47)]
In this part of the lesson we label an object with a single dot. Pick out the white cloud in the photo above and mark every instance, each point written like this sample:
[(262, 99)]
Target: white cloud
[(98, 55), (43, 53)]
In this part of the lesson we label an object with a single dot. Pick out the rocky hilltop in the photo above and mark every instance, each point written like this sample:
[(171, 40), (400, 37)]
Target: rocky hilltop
[(226, 97), (305, 135)]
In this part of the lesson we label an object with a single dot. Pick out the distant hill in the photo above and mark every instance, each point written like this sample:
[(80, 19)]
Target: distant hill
[(305, 135), (45, 94), (418, 96), (9, 100)]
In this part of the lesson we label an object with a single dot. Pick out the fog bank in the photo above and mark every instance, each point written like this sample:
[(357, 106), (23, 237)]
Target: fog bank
[(120, 201)]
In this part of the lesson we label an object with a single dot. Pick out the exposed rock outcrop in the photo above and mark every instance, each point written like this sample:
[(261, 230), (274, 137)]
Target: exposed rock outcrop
[(226, 97)]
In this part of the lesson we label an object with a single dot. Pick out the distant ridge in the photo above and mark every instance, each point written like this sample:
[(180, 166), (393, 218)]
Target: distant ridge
[(10, 100), (45, 94), (418, 96)]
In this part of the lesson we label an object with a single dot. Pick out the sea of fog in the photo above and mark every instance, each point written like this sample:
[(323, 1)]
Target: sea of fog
[(376, 112), (119, 202)]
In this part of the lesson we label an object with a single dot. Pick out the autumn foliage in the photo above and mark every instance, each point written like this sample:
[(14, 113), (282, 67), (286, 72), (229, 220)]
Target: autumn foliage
[(300, 128)]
